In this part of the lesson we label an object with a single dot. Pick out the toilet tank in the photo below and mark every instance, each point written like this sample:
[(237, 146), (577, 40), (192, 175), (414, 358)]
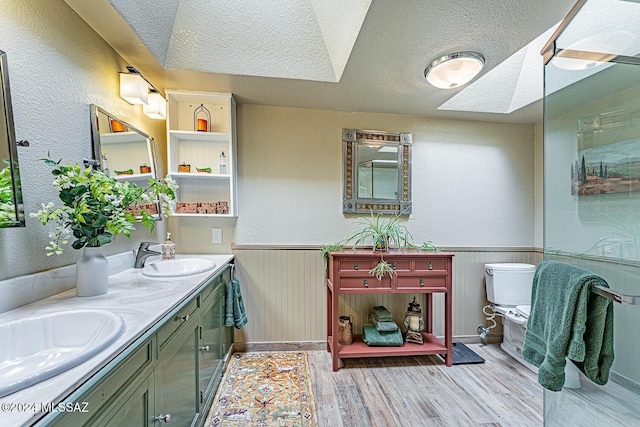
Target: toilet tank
[(509, 283)]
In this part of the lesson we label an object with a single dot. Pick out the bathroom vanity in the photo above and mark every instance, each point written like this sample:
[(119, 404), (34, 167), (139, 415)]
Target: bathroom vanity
[(416, 273), (165, 367)]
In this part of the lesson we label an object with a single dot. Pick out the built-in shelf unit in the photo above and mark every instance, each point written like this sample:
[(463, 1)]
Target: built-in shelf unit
[(210, 193)]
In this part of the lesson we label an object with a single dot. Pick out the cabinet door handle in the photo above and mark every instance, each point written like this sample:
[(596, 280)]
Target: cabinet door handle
[(355, 265), (421, 281), (163, 418), (184, 318), (204, 348), (430, 265), (366, 283), (393, 265)]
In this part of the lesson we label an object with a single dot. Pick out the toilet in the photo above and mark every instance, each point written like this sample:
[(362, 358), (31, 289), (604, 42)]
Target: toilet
[(509, 290)]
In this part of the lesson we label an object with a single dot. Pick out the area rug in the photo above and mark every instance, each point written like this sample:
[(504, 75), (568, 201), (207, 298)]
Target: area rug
[(265, 389)]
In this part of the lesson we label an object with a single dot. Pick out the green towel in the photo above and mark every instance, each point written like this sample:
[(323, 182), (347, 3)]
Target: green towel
[(382, 314), (235, 314), (568, 321), (383, 326), (372, 337)]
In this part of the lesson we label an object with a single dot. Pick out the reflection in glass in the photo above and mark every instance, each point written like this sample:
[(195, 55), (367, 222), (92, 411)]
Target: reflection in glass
[(11, 210), (377, 171), (592, 189), (125, 153)]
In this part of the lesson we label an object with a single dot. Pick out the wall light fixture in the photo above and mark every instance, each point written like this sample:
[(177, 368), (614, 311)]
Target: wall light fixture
[(454, 70), (157, 106), (136, 89)]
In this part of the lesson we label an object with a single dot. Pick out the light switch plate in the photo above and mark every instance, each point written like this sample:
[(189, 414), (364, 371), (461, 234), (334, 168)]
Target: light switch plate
[(216, 235)]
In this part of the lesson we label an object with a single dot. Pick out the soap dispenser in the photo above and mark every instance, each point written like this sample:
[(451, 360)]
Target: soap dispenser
[(168, 248)]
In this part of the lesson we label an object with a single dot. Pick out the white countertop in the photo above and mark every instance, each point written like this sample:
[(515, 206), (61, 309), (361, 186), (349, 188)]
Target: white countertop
[(141, 302)]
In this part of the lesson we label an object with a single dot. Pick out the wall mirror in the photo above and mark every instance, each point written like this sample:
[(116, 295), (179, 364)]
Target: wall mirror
[(377, 171), (11, 209), (123, 152)]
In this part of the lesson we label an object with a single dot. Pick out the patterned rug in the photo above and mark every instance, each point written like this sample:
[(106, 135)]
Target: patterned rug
[(265, 389)]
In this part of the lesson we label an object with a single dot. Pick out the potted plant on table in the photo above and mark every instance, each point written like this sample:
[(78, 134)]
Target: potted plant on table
[(95, 209), (382, 232)]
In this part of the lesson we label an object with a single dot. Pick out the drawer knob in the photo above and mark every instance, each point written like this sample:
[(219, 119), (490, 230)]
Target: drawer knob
[(204, 348), (355, 265), (184, 318), (421, 281), (163, 418), (430, 265), (366, 283), (393, 265)]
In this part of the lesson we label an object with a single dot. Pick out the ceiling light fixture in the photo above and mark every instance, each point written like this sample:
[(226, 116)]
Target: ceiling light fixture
[(454, 70)]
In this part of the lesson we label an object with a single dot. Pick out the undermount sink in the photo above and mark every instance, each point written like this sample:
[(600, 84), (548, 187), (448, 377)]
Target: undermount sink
[(178, 267), (39, 347)]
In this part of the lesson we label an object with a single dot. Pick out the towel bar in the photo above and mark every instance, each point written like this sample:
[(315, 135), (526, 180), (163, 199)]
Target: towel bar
[(616, 296)]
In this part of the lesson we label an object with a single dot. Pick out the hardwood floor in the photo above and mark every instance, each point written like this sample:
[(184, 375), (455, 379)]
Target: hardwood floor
[(422, 391)]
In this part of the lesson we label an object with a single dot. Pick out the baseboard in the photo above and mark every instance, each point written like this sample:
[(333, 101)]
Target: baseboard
[(475, 339), (243, 347), (624, 382)]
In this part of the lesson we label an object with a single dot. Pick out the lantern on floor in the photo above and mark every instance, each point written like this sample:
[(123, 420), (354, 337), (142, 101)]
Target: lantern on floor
[(414, 323)]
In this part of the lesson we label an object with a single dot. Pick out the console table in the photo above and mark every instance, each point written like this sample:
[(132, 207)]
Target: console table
[(417, 272)]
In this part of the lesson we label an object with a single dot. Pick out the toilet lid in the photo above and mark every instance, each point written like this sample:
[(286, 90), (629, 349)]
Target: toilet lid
[(523, 310)]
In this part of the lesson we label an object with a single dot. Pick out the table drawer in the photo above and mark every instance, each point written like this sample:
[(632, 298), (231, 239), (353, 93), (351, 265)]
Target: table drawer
[(364, 283), (431, 264), (422, 282), (399, 264), (355, 264)]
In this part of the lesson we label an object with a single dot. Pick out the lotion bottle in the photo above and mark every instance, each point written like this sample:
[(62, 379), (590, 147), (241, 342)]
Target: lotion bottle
[(223, 163), (168, 248)]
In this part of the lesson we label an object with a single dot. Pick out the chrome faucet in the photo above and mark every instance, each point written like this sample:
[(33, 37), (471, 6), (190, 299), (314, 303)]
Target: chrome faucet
[(143, 253)]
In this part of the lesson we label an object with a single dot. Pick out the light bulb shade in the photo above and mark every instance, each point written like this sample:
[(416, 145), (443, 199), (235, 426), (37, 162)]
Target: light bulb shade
[(156, 108), (133, 88), (454, 70)]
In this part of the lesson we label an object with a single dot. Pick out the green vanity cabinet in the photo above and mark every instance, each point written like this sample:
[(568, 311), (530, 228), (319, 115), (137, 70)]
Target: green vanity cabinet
[(212, 345), (176, 379), (169, 375), (135, 407)]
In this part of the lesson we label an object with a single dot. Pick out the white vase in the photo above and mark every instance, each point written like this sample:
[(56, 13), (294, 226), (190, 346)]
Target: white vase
[(92, 273)]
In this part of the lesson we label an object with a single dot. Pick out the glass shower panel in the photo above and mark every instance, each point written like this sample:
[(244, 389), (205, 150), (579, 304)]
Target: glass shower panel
[(592, 196)]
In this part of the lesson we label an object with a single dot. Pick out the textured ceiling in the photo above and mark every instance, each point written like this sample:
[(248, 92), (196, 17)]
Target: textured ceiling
[(296, 39), (329, 60)]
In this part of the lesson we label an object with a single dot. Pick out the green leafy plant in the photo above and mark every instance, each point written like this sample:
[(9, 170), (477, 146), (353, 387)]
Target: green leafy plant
[(330, 248), (380, 232), (7, 207), (428, 246), (382, 269), (96, 206)]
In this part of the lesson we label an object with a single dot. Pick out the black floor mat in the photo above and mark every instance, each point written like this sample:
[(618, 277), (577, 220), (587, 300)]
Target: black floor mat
[(461, 354)]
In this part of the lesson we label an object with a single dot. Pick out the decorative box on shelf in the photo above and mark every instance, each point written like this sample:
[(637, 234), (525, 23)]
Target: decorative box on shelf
[(201, 132)]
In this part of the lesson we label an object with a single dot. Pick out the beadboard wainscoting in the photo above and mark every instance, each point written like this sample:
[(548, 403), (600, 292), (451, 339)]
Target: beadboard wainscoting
[(284, 293)]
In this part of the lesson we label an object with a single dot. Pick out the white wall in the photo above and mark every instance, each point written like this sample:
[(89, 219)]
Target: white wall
[(58, 66), (473, 182)]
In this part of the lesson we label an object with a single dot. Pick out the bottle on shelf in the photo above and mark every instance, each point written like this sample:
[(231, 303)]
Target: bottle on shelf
[(223, 163), (105, 165)]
